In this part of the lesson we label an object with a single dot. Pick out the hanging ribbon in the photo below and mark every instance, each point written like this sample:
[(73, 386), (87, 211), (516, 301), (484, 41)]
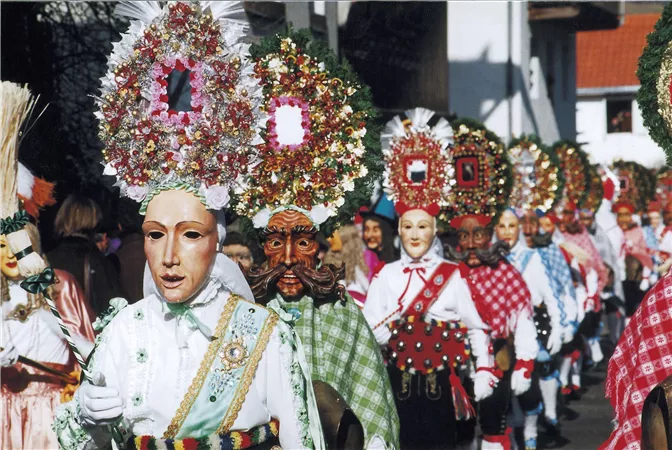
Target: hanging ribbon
[(314, 423), (185, 312)]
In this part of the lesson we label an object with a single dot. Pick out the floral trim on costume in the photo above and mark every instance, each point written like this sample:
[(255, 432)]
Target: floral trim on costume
[(235, 440)]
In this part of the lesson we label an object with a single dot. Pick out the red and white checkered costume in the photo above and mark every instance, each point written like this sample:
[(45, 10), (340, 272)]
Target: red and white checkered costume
[(505, 304), (642, 359), (595, 262)]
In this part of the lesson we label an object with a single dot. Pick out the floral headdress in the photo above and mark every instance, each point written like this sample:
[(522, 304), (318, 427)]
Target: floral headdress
[(320, 149), (637, 186), (664, 185), (417, 162), (574, 164), (595, 189), (655, 76), (538, 179), (179, 107), (482, 180)]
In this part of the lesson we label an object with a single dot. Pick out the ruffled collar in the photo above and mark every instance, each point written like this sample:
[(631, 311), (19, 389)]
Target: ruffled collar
[(428, 261)]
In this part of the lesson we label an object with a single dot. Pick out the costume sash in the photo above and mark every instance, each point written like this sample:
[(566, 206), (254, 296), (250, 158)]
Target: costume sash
[(522, 262), (216, 394), (432, 290)]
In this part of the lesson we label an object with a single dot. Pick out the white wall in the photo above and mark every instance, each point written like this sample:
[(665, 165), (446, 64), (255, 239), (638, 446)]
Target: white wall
[(603, 147), (477, 57), (478, 50)]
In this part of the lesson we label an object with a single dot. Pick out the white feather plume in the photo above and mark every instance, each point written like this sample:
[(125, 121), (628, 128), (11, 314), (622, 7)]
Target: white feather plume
[(393, 128), (225, 10), (443, 131), (419, 116), (26, 181), (143, 11)]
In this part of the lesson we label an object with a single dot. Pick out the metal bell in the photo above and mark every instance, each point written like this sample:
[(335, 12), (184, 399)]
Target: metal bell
[(409, 361), (428, 330), (401, 346), (459, 336), (395, 333), (418, 346), (428, 363), (410, 328), (438, 347), (445, 335)]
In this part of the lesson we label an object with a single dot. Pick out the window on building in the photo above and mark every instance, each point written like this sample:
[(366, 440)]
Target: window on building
[(619, 116)]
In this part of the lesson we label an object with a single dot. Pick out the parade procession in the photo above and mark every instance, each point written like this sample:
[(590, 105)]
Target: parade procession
[(267, 225)]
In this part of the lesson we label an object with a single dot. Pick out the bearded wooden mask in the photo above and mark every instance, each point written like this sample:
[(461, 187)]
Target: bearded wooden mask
[(291, 240)]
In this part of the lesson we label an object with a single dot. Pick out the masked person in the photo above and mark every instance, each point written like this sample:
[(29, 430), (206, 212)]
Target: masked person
[(30, 395), (308, 174), (350, 255), (654, 230), (379, 237), (420, 307), (195, 363), (547, 316), (639, 361), (498, 289)]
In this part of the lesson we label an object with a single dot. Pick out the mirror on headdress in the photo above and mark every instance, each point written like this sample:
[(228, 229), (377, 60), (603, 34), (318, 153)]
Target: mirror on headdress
[(467, 172), (416, 171), (179, 90)]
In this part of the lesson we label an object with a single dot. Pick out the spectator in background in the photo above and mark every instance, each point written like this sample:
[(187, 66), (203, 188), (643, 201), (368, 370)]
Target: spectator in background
[(237, 249), (131, 252), (76, 252)]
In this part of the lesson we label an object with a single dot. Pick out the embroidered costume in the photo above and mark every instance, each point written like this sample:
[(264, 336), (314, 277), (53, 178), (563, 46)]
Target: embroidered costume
[(180, 116), (316, 164), (420, 307)]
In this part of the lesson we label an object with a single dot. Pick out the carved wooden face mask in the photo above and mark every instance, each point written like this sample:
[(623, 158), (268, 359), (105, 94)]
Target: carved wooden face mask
[(291, 240)]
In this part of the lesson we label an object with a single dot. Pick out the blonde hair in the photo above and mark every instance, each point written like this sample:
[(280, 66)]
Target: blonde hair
[(36, 243), (78, 215), (351, 254)]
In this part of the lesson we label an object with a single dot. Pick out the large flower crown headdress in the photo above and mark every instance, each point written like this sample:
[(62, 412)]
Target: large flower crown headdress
[(417, 162), (179, 107), (655, 76), (482, 179), (538, 180), (320, 149), (595, 188), (636, 186), (574, 165)]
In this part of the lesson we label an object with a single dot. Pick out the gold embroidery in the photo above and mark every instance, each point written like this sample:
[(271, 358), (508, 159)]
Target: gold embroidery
[(248, 373), (203, 370)]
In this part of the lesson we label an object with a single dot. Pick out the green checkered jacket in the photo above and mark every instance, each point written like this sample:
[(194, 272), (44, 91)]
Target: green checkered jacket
[(342, 351)]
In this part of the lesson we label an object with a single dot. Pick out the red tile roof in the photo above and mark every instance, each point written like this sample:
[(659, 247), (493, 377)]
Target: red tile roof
[(608, 58)]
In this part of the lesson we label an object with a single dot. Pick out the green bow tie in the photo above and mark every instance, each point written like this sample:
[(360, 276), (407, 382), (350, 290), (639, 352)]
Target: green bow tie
[(184, 311)]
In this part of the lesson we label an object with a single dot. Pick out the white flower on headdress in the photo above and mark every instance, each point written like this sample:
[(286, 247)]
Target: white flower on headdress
[(137, 193), (109, 169), (319, 214), (348, 185), (261, 219), (217, 197)]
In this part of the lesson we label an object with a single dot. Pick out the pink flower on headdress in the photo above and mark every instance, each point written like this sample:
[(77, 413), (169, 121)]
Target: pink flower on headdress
[(137, 193)]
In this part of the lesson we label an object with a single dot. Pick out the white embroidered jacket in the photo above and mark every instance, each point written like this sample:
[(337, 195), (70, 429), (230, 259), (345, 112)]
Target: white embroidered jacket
[(152, 356)]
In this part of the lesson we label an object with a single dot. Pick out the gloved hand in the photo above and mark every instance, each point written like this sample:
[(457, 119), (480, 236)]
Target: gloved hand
[(555, 339), (9, 355), (568, 334), (484, 384), (521, 379), (98, 405)]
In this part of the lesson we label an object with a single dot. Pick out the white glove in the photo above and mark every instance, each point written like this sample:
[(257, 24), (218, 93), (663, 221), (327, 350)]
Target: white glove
[(98, 405), (484, 384), (555, 339), (568, 334), (9, 355), (519, 382)]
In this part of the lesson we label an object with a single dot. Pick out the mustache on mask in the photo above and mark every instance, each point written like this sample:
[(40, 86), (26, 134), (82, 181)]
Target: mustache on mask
[(541, 240), (490, 256), (322, 284)]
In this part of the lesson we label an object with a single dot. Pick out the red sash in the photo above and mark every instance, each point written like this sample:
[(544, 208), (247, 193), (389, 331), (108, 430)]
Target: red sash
[(432, 290)]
